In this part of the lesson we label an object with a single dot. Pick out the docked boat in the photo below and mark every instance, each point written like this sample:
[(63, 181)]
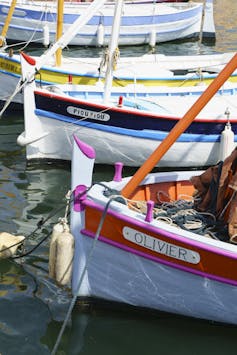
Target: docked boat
[(151, 249), (162, 241), (147, 70), (124, 124), (53, 68), (141, 23)]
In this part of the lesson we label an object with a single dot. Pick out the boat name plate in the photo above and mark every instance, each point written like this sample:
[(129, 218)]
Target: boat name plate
[(99, 116), (161, 246)]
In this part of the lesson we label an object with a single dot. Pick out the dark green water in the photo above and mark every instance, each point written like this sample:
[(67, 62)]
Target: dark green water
[(32, 307)]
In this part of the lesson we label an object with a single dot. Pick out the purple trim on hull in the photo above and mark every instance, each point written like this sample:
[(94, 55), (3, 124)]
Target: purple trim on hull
[(79, 195), (161, 261), (179, 238)]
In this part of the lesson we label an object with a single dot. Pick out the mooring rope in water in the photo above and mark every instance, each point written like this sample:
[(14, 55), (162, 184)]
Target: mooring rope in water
[(41, 222), (40, 225), (112, 198)]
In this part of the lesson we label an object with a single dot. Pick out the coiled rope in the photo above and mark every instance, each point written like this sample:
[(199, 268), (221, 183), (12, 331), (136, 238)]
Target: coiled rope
[(182, 214)]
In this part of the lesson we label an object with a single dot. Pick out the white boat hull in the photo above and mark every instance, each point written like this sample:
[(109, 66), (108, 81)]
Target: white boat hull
[(112, 148), (148, 70), (128, 131), (126, 256), (171, 21), (116, 275)]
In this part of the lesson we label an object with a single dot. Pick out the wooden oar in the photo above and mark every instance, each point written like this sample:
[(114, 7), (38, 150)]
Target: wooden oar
[(180, 127)]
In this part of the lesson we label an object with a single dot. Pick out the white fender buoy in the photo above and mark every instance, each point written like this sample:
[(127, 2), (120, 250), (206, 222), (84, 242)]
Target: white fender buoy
[(100, 35), (227, 142), (64, 259), (9, 244), (61, 254), (57, 230), (46, 35), (152, 39)]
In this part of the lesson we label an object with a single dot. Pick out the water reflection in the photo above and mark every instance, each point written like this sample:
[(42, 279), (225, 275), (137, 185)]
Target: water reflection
[(19, 312), (32, 307), (123, 333), (226, 29)]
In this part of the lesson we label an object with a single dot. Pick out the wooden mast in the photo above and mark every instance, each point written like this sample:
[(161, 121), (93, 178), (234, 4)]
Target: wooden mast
[(58, 54), (113, 46), (7, 22)]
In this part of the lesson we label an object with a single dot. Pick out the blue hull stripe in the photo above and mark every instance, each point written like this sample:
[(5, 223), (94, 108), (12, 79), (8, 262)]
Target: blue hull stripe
[(146, 134), (105, 20)]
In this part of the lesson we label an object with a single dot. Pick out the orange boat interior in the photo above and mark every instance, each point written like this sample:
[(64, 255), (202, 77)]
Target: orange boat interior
[(171, 191)]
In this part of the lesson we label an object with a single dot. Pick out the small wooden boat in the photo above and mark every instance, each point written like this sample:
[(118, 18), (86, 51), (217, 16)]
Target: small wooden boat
[(127, 125), (131, 251), (143, 241), (141, 23), (147, 70)]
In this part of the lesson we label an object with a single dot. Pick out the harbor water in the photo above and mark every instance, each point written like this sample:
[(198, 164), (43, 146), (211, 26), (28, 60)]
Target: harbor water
[(32, 198)]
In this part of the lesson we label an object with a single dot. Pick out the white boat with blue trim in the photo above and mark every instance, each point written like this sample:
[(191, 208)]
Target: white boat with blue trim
[(127, 125), (148, 70), (141, 23)]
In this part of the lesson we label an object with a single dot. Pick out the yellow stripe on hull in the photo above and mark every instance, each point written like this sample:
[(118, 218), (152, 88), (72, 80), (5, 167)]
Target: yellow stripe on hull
[(56, 77)]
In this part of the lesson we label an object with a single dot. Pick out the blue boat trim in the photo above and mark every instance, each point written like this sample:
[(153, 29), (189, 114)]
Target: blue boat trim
[(193, 75), (146, 134), (129, 21), (150, 117)]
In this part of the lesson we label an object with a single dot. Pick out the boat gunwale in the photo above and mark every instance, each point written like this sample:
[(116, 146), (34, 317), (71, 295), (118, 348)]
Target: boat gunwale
[(66, 98)]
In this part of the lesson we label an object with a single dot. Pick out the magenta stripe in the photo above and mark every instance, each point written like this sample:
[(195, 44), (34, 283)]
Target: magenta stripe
[(162, 232), (161, 261)]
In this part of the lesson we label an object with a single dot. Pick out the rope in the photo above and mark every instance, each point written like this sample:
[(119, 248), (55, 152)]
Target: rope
[(20, 84), (35, 29), (104, 60), (30, 40), (116, 56), (83, 274), (69, 199), (33, 249), (41, 222), (18, 88), (13, 45), (182, 213)]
